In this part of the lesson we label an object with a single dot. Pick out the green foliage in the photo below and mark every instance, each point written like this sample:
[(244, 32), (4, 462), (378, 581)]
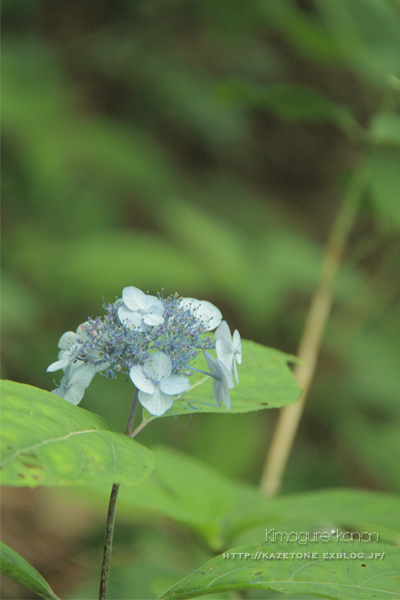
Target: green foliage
[(16, 567), (48, 441), (265, 382), (367, 35), (188, 492), (384, 175), (125, 164), (385, 128), (367, 578), (288, 101), (117, 263), (331, 509), (368, 392), (219, 509), (161, 560)]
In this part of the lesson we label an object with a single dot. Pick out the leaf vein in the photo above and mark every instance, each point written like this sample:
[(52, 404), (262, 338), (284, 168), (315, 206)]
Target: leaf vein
[(13, 455)]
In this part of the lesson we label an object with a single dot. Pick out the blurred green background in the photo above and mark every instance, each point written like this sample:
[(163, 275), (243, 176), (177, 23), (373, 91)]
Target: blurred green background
[(201, 147)]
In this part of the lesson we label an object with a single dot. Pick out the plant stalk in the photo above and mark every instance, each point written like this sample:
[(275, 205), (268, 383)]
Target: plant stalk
[(318, 314), (105, 568)]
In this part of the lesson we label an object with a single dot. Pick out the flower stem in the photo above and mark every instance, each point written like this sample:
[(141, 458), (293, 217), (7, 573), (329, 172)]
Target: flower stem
[(318, 314), (105, 569), (132, 414), (140, 428)]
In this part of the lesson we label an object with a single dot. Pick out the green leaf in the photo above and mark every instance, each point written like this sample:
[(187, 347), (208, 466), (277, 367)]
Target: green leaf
[(308, 35), (367, 35), (196, 495), (383, 171), (265, 382), (17, 568), (287, 101), (48, 441), (341, 578), (187, 491), (330, 509), (385, 128)]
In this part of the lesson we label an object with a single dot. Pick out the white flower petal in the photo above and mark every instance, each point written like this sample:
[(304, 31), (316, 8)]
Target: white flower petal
[(153, 319), (134, 298), (140, 380), (66, 357), (67, 339), (225, 395), (81, 331), (237, 346), (157, 367), (154, 305), (235, 371), (221, 393), (204, 311), (212, 365), (229, 350), (223, 332), (189, 303), (217, 391), (59, 364), (60, 392), (129, 318), (157, 403), (209, 314), (227, 375), (75, 393), (225, 352), (75, 380), (81, 372), (175, 384), (218, 369)]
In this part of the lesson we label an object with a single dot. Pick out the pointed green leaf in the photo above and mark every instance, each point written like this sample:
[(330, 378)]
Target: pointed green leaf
[(48, 441), (350, 578), (336, 508), (367, 35), (265, 382), (385, 128), (196, 495), (187, 491), (383, 171), (288, 101), (17, 568)]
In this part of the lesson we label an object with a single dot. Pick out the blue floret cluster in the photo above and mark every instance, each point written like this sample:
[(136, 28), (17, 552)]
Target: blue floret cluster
[(155, 341)]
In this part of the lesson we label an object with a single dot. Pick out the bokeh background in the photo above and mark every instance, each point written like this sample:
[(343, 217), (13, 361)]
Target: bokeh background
[(200, 147)]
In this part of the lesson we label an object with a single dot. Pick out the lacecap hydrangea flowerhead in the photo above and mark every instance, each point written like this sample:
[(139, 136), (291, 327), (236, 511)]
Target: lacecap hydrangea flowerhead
[(154, 340)]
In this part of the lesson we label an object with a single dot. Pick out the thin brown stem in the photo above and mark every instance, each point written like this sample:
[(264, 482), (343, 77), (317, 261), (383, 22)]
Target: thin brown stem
[(105, 569), (318, 314)]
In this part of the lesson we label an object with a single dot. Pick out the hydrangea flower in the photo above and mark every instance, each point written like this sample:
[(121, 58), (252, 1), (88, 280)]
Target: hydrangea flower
[(204, 311), (229, 350), (76, 379), (139, 308), (156, 384), (77, 346), (222, 380), (70, 349), (155, 341)]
